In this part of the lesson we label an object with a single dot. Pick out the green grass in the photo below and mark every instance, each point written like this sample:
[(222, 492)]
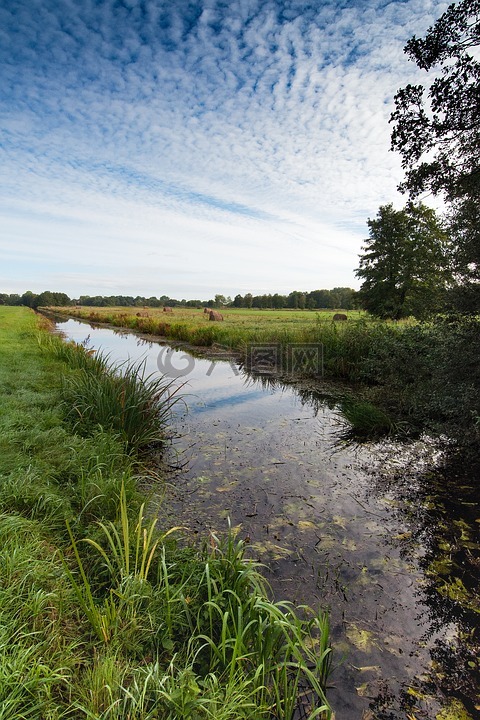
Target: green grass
[(103, 615), (344, 343)]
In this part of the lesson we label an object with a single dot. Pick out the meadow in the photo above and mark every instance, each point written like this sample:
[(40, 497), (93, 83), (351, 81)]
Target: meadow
[(405, 375), (342, 342), (103, 614)]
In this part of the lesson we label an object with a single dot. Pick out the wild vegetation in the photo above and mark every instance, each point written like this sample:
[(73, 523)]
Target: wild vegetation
[(105, 615), (406, 376)]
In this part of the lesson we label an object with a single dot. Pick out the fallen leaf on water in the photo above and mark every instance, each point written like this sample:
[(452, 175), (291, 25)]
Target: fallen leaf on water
[(402, 536), (306, 525), (362, 689), (362, 639), (277, 551)]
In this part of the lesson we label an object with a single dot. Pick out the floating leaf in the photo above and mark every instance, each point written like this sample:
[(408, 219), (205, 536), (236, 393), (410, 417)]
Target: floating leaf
[(340, 521), (306, 525), (362, 639), (362, 690), (454, 711), (276, 551)]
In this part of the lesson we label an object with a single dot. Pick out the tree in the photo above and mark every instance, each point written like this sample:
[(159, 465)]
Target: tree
[(438, 132), (464, 228), (405, 266)]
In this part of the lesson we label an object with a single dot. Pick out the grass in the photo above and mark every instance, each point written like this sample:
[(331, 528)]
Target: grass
[(102, 613), (344, 344)]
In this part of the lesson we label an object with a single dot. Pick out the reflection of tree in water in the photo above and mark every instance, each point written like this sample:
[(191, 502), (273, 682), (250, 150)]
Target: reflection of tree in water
[(440, 507), (309, 396)]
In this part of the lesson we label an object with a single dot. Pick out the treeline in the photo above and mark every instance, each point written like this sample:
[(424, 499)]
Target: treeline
[(34, 300), (341, 297)]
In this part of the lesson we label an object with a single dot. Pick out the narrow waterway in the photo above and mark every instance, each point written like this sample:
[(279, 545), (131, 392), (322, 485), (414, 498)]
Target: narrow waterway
[(356, 529)]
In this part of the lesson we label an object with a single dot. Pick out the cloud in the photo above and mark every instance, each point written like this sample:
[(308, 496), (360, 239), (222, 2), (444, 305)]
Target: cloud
[(254, 124)]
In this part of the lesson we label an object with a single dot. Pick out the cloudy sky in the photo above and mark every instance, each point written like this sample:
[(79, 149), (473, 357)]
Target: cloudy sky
[(189, 148)]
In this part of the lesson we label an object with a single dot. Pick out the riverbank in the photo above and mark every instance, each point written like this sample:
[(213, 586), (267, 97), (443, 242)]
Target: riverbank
[(103, 614), (377, 532), (407, 377)]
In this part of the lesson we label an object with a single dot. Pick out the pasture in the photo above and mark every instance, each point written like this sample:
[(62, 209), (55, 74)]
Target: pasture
[(238, 328)]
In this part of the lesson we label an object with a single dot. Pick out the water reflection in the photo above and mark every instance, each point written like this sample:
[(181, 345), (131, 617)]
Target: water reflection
[(374, 532)]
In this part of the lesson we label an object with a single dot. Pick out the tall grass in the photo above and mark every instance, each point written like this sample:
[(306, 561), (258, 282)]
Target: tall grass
[(121, 399), (73, 355), (224, 636), (102, 614)]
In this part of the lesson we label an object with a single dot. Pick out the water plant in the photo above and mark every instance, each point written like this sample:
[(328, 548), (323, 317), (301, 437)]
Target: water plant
[(364, 420), (213, 620), (122, 399)]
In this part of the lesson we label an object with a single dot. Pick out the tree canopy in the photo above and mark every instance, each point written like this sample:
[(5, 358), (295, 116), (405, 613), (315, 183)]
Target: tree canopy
[(404, 267), (437, 130)]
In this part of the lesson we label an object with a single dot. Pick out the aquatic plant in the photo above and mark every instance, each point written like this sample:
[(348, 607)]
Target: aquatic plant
[(122, 399), (364, 419), (224, 637)]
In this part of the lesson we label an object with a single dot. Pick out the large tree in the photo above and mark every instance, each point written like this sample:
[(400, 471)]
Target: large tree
[(437, 131), (405, 267)]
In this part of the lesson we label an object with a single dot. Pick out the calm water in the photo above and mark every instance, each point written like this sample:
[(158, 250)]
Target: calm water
[(360, 530)]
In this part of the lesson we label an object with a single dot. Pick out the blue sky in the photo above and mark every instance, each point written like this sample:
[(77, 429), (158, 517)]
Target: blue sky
[(187, 148)]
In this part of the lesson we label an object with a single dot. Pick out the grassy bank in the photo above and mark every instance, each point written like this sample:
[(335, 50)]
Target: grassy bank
[(343, 343), (409, 376), (103, 614)]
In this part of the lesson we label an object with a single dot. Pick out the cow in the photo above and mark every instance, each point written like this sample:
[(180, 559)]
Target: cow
[(338, 317)]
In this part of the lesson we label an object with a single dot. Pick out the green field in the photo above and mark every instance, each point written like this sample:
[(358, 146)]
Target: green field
[(104, 615), (341, 341), (409, 370)]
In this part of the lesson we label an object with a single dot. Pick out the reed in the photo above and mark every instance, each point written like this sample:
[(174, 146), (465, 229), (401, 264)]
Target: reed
[(121, 399)]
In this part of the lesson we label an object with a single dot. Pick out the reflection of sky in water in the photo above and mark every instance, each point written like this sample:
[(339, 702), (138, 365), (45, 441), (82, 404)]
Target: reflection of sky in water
[(209, 386), (260, 456)]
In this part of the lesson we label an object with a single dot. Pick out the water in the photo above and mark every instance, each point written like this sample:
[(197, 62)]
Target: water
[(362, 530)]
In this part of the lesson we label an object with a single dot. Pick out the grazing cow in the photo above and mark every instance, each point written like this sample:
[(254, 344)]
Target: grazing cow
[(216, 316), (167, 309), (339, 317)]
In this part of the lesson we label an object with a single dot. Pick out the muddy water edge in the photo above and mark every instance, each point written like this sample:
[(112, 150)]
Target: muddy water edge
[(385, 535)]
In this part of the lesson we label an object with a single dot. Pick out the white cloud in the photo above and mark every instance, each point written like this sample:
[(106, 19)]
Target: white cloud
[(246, 147)]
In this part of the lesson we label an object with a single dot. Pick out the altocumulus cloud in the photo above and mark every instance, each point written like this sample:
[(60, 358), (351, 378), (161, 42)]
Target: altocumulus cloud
[(189, 147)]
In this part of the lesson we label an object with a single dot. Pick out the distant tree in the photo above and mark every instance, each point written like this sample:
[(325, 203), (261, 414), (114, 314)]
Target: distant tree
[(45, 299), (28, 298), (464, 228), (405, 265), (301, 300), (343, 297), (221, 300), (50, 299)]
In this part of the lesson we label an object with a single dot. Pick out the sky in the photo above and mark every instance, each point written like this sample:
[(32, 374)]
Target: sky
[(184, 148)]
